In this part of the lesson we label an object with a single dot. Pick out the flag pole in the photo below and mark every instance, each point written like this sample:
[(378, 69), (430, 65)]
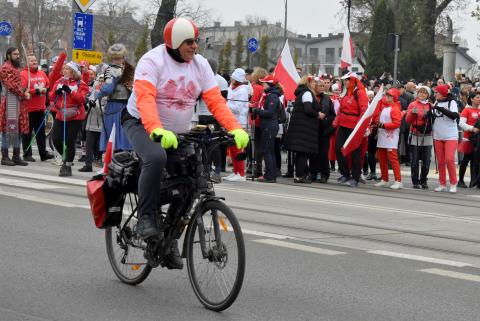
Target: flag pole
[(348, 13)]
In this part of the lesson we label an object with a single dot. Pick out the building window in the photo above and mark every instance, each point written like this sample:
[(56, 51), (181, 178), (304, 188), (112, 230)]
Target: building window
[(299, 51), (340, 52), (313, 55), (329, 70), (330, 55)]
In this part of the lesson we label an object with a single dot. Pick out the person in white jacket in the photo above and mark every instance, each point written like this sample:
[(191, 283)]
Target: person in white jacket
[(237, 100)]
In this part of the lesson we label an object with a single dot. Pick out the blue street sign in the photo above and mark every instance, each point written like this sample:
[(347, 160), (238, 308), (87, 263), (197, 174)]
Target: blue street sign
[(83, 31), (5, 29), (252, 44)]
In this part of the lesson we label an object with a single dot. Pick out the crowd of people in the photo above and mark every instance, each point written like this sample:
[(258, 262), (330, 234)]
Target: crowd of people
[(410, 121)]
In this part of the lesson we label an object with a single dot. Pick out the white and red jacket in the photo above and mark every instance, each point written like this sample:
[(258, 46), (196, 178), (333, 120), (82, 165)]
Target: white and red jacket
[(418, 120), (38, 81), (468, 118), (352, 106), (390, 116), (75, 99)]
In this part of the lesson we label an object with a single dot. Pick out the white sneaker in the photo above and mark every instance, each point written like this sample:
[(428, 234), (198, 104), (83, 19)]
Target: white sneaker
[(397, 185), (229, 176), (381, 184), (441, 188), (238, 178), (453, 189)]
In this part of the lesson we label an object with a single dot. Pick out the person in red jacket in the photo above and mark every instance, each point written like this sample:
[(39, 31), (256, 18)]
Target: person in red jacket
[(352, 106), (420, 139), (468, 119), (69, 95), (39, 85), (387, 120)]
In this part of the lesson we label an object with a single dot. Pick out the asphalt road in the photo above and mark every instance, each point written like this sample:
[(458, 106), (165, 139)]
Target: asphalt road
[(319, 252)]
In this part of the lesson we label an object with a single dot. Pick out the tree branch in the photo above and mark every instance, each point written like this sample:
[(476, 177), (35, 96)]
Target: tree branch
[(442, 6)]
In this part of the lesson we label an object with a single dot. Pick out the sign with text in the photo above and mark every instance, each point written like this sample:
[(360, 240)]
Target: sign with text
[(93, 57), (84, 4), (83, 31)]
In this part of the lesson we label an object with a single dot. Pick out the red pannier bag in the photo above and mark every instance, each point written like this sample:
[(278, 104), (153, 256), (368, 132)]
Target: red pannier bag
[(106, 201)]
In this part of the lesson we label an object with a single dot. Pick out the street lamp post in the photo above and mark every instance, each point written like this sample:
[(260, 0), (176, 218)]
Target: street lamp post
[(285, 26)]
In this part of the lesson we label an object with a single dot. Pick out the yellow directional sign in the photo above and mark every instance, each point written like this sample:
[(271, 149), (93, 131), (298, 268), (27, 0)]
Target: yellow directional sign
[(84, 4), (93, 57)]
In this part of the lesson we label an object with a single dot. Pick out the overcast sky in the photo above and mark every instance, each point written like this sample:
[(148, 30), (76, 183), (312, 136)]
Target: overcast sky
[(320, 16)]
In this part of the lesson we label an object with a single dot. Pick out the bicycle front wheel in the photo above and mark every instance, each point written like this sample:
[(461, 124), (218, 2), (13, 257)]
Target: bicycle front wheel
[(216, 256)]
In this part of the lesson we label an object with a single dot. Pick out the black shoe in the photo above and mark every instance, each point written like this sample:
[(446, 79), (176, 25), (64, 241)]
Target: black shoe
[(266, 180), (46, 157), (351, 183), (288, 175), (174, 259), (29, 159), (462, 184), (424, 186), (147, 227), (82, 158), (371, 176), (323, 180), (416, 186), (302, 180), (86, 169), (65, 171)]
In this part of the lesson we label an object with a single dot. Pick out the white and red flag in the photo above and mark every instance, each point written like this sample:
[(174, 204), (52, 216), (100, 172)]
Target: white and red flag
[(109, 150), (348, 51), (286, 73), (356, 137)]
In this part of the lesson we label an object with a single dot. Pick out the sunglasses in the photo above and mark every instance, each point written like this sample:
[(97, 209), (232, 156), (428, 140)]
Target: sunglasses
[(190, 42)]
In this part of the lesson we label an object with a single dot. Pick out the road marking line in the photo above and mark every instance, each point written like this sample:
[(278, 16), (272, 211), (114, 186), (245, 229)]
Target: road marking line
[(48, 178), (20, 183), (350, 204), (300, 247), (266, 234), (38, 199), (420, 258), (453, 274)]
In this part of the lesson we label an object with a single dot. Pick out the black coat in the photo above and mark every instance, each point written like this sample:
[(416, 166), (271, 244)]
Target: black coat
[(269, 114), (302, 134), (326, 107)]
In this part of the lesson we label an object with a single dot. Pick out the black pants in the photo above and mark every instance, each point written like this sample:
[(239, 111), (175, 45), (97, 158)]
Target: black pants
[(278, 154), (268, 150), (319, 161), (92, 146), (467, 158), (302, 162), (423, 153), (73, 127), (216, 154), (356, 170), (371, 160), (35, 120), (154, 160), (290, 162)]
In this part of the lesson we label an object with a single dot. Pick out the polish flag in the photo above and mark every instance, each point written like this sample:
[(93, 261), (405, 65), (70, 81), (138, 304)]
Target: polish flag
[(348, 52), (356, 137), (286, 73), (109, 151)]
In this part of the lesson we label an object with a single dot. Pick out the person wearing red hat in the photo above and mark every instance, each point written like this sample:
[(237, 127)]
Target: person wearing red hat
[(352, 107), (445, 137), (168, 81), (387, 121)]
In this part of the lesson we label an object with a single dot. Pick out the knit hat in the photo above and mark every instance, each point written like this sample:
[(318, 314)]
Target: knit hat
[(117, 50), (239, 75), (75, 67), (426, 88), (442, 90)]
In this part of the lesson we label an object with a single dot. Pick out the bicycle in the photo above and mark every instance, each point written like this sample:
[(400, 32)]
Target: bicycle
[(213, 244)]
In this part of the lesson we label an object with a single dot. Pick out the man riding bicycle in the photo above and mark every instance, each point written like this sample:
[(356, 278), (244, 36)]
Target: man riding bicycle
[(168, 80)]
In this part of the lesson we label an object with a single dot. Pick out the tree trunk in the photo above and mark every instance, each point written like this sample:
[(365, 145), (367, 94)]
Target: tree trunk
[(165, 13)]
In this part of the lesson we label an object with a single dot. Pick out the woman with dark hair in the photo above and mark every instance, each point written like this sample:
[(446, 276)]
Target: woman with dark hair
[(468, 118), (68, 93), (303, 129), (269, 125)]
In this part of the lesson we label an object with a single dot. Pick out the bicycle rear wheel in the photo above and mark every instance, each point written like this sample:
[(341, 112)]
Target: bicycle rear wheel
[(216, 272), (125, 248)]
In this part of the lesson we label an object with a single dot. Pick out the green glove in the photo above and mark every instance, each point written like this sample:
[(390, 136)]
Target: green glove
[(167, 138), (241, 138)]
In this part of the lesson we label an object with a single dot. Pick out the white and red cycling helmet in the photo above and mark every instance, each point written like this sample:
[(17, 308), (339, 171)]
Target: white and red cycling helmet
[(177, 31)]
